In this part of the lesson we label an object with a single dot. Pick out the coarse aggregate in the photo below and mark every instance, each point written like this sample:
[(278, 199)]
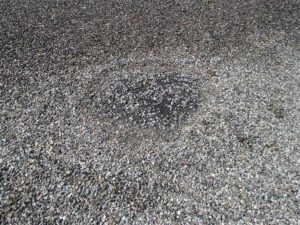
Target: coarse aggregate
[(149, 112)]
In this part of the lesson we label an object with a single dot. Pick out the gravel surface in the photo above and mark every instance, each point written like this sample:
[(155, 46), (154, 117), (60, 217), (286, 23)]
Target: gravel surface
[(149, 112)]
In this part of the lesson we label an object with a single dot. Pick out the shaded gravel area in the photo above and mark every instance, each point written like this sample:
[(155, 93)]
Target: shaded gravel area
[(149, 112)]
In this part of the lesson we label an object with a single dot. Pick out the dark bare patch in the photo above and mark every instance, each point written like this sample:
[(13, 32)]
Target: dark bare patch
[(164, 99), (278, 111)]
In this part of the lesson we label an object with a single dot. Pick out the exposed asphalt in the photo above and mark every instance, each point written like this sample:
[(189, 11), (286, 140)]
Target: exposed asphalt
[(149, 112)]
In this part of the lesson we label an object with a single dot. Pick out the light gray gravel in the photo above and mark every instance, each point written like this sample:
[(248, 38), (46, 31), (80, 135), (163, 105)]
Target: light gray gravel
[(149, 112)]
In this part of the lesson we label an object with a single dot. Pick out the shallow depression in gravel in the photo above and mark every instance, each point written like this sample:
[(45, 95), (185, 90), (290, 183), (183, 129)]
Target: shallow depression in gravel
[(156, 100)]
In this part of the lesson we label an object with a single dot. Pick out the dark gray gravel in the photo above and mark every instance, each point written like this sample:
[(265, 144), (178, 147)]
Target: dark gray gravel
[(149, 112), (160, 100)]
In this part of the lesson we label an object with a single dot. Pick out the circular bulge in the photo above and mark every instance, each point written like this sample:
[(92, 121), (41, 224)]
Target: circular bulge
[(155, 100)]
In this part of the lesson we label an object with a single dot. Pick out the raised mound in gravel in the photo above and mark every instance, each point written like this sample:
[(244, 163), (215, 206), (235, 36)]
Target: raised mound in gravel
[(157, 100)]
